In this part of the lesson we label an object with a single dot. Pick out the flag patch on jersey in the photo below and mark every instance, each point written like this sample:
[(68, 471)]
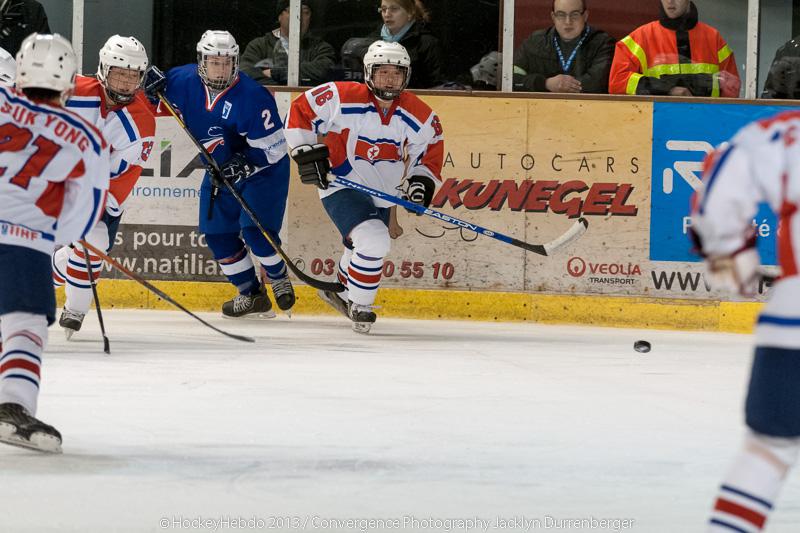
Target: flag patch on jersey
[(377, 150)]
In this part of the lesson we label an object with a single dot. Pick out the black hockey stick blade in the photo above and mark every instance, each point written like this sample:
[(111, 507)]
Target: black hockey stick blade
[(161, 294), (333, 286)]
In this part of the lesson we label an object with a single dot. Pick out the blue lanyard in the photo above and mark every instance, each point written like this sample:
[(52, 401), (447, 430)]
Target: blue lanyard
[(565, 65)]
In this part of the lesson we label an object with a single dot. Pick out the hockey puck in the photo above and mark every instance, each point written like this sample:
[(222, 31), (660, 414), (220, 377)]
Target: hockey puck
[(641, 346)]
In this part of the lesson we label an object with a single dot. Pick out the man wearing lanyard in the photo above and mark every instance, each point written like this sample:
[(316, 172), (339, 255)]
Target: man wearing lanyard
[(568, 57)]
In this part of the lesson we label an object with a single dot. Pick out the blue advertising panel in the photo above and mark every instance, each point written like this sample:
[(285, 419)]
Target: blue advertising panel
[(682, 136)]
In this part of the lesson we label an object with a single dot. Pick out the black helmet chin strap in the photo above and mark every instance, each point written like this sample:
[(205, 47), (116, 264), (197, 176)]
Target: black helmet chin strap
[(117, 97)]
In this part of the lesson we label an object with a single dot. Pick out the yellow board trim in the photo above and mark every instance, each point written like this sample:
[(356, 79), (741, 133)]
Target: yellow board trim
[(465, 305)]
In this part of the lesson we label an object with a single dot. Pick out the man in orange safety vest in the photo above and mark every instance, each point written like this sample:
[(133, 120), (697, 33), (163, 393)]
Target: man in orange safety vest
[(676, 55)]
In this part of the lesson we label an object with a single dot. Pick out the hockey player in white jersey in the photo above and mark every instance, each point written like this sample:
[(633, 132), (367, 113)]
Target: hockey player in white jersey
[(761, 164), (112, 102), (53, 190), (376, 134)]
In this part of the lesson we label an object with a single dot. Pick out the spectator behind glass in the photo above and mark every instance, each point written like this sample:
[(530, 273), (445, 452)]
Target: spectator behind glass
[(18, 19), (568, 57), (266, 58), (783, 80), (404, 23), (675, 55)]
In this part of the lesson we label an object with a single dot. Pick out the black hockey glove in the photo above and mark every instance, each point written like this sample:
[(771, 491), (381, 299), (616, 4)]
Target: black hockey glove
[(420, 191), (236, 169), (312, 163), (154, 83)]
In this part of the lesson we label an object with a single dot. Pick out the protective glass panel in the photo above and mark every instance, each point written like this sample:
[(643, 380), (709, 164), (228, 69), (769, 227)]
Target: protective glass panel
[(779, 52)]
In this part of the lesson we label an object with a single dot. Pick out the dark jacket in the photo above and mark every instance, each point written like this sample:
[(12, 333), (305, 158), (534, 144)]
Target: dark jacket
[(316, 59), (20, 19), (783, 80), (426, 56), (537, 60)]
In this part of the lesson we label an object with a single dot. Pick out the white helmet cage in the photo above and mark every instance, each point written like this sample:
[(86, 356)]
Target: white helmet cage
[(121, 52), (386, 53), (214, 44), (8, 68), (487, 68), (47, 62)]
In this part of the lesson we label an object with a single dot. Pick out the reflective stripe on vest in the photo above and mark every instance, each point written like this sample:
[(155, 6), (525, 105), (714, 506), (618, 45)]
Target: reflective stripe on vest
[(633, 83), (681, 68), (637, 51), (724, 53)]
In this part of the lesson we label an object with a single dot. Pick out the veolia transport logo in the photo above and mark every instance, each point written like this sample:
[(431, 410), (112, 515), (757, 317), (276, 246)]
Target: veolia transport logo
[(576, 267)]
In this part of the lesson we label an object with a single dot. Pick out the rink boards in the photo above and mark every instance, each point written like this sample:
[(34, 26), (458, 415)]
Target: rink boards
[(526, 167)]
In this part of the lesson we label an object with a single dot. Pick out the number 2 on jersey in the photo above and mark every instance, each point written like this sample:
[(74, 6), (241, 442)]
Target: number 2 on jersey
[(15, 139)]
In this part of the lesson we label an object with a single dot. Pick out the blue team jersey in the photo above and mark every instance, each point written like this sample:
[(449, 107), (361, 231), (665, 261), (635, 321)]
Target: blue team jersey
[(241, 119)]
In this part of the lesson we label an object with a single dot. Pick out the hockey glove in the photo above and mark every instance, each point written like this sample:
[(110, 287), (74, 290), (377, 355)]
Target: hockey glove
[(312, 163), (154, 83), (236, 169), (737, 272), (420, 191)]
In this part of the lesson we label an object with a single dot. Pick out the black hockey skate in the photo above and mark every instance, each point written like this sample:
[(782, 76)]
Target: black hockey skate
[(19, 428), (334, 300), (252, 306), (71, 321), (362, 316), (283, 292)]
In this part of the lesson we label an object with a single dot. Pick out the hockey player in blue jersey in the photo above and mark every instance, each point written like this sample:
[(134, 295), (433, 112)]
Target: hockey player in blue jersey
[(237, 120)]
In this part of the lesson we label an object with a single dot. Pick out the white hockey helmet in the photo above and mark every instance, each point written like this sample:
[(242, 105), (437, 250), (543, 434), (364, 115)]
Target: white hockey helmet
[(386, 53), (46, 62), (215, 43), (8, 68), (125, 53)]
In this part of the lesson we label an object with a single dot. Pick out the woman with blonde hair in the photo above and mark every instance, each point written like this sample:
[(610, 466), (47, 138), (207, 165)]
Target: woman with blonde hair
[(404, 22)]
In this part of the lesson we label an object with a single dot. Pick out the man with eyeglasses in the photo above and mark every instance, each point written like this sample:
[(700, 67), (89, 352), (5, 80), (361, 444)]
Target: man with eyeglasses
[(569, 57), (675, 55)]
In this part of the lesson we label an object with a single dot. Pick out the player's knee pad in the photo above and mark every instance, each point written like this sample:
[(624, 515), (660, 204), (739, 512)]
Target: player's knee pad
[(18, 323), (783, 449), (224, 245), (59, 262), (258, 243), (98, 237), (371, 239)]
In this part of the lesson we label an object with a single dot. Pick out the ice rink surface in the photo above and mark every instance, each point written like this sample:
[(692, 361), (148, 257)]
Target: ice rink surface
[(417, 421)]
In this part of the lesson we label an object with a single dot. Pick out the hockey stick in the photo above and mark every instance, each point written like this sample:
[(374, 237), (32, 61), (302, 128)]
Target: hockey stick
[(161, 294), (571, 235), (213, 166), (93, 282)]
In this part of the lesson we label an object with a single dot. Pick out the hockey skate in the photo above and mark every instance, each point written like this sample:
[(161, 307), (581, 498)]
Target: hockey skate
[(250, 306), (71, 321), (283, 292), (334, 300), (19, 428), (362, 316)]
